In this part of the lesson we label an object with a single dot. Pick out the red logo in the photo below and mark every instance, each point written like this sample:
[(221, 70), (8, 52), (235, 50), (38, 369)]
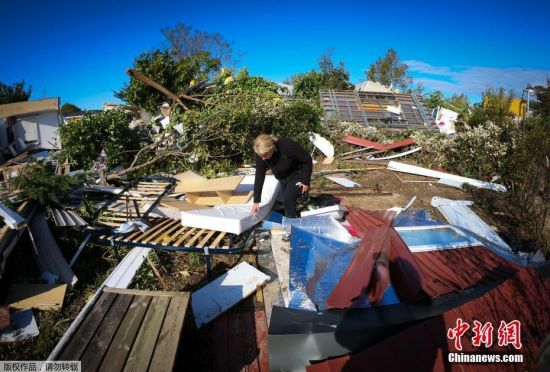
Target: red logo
[(457, 332)]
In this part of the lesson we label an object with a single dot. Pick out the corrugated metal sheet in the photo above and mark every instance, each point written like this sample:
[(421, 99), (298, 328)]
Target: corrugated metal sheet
[(425, 346), (372, 108), (67, 217), (378, 146), (413, 275), (451, 270)]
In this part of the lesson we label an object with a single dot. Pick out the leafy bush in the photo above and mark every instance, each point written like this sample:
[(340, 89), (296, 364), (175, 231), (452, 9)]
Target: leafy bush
[(38, 182), (478, 153), (495, 108), (83, 139), (519, 157), (220, 135)]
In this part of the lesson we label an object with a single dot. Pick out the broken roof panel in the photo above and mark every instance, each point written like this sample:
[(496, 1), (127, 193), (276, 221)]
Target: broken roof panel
[(378, 146), (425, 346), (384, 257), (377, 108)]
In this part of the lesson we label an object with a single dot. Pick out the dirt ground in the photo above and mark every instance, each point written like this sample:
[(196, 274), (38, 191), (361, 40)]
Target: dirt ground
[(383, 189)]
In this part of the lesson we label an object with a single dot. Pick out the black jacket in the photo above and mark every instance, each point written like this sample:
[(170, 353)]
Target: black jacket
[(289, 158)]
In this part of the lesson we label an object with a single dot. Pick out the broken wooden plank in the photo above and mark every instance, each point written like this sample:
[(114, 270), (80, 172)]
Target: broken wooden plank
[(209, 199), (224, 292), (81, 337)]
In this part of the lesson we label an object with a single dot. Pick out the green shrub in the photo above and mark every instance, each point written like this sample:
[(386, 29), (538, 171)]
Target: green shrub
[(83, 139), (38, 182)]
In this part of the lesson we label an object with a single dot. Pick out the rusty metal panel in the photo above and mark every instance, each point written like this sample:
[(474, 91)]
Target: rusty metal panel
[(425, 346), (413, 275)]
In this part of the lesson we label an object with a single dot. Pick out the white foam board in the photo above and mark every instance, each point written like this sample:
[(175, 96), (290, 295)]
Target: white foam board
[(235, 218), (335, 211), (218, 296), (446, 178), (343, 181)]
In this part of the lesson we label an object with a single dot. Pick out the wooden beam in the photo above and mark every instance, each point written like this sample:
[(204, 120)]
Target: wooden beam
[(153, 84), (29, 107)]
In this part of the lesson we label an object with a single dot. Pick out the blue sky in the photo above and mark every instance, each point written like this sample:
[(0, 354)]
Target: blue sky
[(79, 50)]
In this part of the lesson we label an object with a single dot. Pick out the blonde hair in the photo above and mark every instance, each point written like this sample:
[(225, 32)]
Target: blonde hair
[(264, 144)]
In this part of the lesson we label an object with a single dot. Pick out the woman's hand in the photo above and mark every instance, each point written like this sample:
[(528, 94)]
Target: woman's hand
[(304, 188), (255, 208)]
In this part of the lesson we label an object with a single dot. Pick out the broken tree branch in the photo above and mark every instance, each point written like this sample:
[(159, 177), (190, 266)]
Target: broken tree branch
[(138, 75)]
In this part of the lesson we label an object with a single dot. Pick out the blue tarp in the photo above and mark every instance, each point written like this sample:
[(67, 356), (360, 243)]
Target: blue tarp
[(316, 265)]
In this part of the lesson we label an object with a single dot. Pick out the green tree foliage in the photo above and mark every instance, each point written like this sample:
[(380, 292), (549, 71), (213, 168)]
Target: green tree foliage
[(434, 100), (459, 103), (541, 106), (495, 108), (390, 71), (308, 84), (82, 140), (69, 108), (221, 133), (38, 182), (168, 69), (14, 93)]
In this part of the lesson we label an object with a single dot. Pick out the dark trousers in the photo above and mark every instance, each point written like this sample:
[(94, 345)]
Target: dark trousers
[(291, 192)]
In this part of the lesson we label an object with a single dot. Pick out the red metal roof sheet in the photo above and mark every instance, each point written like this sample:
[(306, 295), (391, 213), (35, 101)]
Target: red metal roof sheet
[(378, 146), (425, 346), (451, 270), (383, 257)]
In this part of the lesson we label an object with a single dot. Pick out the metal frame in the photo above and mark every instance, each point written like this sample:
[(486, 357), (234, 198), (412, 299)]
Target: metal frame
[(207, 250), (348, 105)]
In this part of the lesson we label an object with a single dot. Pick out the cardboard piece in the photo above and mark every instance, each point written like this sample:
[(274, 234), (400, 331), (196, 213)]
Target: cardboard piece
[(180, 205), (38, 296), (213, 191)]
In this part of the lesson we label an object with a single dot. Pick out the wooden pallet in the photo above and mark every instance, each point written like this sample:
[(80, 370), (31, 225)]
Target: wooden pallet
[(130, 330), (165, 232)]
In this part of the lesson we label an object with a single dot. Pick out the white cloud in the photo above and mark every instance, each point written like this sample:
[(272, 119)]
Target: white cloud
[(473, 80), (426, 68)]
